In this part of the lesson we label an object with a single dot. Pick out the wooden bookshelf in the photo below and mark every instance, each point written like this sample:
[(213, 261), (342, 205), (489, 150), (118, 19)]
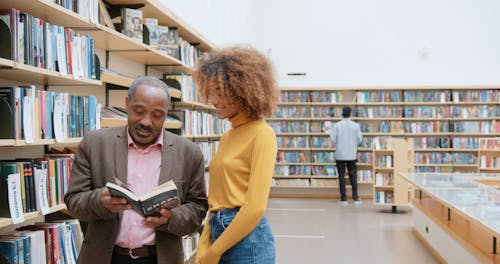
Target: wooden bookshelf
[(445, 106), (111, 43), (489, 155)]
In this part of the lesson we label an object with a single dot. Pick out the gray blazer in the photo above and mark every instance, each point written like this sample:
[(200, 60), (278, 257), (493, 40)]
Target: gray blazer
[(101, 155)]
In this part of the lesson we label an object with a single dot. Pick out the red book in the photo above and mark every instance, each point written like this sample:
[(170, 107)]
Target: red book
[(69, 40)]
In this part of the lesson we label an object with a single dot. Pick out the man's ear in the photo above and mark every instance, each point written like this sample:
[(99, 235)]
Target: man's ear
[(126, 102)]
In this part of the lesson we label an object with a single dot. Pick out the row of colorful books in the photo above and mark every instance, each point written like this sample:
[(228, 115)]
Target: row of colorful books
[(54, 242), (394, 96), (183, 83), (165, 39), (384, 178), (208, 149), (444, 158), (380, 143), (489, 162), (384, 197), (85, 8), (38, 43), (40, 183), (198, 123), (31, 114), (305, 170), (463, 111)]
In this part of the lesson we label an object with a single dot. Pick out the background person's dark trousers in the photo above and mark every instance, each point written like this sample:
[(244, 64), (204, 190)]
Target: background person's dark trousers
[(351, 168)]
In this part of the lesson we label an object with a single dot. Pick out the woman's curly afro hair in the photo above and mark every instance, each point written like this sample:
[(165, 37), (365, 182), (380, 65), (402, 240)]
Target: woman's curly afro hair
[(242, 74)]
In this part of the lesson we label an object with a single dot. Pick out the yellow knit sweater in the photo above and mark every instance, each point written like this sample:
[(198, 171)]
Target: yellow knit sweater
[(240, 176)]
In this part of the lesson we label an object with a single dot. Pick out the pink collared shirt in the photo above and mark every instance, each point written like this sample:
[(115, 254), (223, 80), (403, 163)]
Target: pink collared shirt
[(143, 172)]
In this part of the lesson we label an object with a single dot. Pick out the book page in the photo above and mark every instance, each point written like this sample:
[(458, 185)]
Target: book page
[(167, 186)]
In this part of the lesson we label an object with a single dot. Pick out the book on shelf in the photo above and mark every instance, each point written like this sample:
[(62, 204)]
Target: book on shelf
[(7, 113), (132, 23), (9, 18), (150, 203), (152, 25), (173, 43)]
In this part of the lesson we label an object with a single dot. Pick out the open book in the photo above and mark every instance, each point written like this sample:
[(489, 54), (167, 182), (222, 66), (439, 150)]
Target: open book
[(150, 203)]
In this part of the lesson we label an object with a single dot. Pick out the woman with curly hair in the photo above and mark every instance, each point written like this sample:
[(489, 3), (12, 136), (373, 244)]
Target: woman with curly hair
[(239, 83)]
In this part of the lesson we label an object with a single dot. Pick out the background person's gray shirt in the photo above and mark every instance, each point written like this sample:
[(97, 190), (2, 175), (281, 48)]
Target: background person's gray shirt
[(345, 137)]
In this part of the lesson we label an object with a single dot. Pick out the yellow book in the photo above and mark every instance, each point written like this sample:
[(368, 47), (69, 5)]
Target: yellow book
[(52, 182)]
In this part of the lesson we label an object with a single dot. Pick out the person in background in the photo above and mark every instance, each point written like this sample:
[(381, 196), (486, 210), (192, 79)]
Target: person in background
[(239, 83), (142, 155), (345, 136)]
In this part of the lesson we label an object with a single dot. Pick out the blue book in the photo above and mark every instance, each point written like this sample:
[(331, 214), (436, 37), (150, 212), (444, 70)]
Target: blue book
[(92, 112), (11, 250)]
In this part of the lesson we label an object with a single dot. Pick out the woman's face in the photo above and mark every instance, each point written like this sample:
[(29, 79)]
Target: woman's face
[(225, 106)]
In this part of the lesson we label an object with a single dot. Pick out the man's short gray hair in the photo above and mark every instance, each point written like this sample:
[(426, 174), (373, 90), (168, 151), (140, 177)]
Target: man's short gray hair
[(148, 80)]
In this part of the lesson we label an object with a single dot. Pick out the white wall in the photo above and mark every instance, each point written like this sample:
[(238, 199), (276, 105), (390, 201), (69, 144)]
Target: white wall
[(360, 42), (223, 22)]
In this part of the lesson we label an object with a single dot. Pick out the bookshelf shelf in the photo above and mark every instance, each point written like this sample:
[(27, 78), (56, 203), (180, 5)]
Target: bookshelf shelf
[(28, 74), (115, 79), (444, 150), (4, 222), (113, 122), (16, 143), (124, 81), (193, 106), (205, 137), (293, 104), (292, 177)]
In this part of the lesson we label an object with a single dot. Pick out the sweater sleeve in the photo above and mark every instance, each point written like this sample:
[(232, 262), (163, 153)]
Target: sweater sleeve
[(262, 163)]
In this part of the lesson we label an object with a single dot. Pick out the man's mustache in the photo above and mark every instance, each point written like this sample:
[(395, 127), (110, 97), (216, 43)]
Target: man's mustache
[(144, 127)]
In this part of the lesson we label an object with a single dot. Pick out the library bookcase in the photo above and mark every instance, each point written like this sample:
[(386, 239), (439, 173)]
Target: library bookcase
[(123, 60), (444, 123)]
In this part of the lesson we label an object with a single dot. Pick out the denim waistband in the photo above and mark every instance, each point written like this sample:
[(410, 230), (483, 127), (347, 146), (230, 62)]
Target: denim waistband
[(225, 211)]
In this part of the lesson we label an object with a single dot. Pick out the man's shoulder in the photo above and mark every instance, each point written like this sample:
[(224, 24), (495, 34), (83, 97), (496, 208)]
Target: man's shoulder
[(178, 140), (106, 132)]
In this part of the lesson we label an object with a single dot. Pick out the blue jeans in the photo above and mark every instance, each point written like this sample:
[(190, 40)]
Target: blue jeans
[(256, 248)]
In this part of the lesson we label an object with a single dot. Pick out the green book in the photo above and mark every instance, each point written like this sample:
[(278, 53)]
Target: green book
[(5, 170)]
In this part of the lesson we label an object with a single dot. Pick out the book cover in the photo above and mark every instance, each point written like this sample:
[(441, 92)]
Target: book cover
[(149, 204), (162, 38), (7, 113), (5, 170), (10, 250), (152, 25), (132, 23), (8, 31), (173, 43)]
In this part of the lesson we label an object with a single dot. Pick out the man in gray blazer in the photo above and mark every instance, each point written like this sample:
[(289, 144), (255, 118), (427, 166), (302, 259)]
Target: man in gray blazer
[(142, 155)]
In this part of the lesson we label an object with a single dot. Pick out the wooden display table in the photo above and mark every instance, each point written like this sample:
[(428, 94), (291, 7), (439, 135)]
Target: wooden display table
[(457, 216)]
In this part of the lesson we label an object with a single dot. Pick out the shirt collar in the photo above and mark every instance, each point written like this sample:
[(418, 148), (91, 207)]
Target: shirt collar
[(158, 142), (240, 119)]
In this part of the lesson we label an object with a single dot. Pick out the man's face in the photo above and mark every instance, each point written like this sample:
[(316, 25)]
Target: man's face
[(147, 110)]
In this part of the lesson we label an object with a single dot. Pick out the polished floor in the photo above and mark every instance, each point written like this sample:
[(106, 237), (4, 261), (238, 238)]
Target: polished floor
[(323, 231)]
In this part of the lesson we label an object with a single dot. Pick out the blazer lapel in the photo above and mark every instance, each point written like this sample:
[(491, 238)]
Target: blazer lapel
[(121, 155), (167, 158)]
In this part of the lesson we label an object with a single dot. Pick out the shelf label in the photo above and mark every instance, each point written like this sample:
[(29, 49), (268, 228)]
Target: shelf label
[(15, 202), (41, 191)]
